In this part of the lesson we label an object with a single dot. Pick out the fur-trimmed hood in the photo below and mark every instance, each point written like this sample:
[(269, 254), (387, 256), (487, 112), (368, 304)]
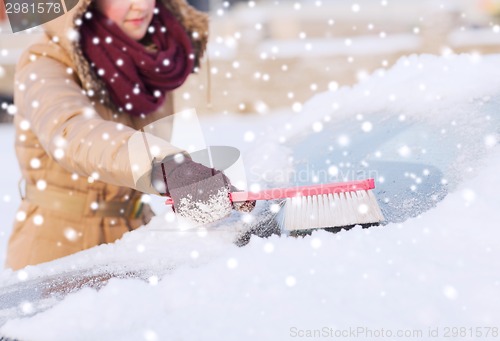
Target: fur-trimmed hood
[(64, 32)]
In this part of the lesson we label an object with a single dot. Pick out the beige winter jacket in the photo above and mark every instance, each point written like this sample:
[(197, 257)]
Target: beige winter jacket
[(73, 148)]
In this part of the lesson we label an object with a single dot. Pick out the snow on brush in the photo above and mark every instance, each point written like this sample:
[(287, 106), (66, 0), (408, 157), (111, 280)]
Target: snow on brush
[(437, 270)]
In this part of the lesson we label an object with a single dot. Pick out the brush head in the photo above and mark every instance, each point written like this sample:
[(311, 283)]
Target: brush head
[(331, 210)]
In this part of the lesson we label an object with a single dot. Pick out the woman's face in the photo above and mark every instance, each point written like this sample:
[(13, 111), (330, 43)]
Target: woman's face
[(132, 16)]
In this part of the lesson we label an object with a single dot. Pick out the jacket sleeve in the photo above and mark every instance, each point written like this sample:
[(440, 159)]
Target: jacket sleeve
[(68, 128)]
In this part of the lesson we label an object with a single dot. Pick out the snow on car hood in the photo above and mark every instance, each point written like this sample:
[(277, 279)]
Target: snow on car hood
[(430, 271)]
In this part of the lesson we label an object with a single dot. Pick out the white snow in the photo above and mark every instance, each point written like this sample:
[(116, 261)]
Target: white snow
[(434, 271), (474, 37), (360, 45), (426, 88)]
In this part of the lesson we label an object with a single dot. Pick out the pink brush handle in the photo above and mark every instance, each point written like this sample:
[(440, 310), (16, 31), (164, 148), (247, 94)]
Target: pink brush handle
[(280, 193)]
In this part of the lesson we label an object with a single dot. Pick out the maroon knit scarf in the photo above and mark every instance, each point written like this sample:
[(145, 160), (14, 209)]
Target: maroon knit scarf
[(136, 78)]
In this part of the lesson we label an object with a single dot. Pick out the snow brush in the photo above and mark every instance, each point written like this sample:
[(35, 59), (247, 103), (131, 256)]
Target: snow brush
[(321, 206)]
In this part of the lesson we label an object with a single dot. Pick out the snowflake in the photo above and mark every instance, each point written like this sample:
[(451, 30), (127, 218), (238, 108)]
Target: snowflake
[(59, 153), (150, 335), (38, 219), (41, 185), (268, 247), (27, 308), (249, 136), (490, 141), (343, 140), (232, 263), (367, 126), (153, 280), (317, 127), (316, 243), (290, 281), (333, 171), (297, 107), (333, 86), (450, 292), (194, 254), (71, 234), (72, 34)]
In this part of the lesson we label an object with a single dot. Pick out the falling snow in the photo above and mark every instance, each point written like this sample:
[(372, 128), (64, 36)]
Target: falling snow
[(417, 267)]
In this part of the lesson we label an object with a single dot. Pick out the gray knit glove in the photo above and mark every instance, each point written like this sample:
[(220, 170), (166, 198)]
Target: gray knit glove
[(200, 193)]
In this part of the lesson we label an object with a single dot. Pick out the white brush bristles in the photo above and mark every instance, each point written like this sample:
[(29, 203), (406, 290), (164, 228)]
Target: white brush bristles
[(331, 210)]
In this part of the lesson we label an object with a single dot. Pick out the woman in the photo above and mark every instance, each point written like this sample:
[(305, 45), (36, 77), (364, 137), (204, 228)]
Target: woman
[(103, 71)]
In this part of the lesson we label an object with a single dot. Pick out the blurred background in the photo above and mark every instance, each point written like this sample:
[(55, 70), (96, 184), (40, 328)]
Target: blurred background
[(267, 55)]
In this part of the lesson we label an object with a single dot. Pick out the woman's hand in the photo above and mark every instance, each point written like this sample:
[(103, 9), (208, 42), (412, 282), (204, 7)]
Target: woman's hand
[(200, 193)]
